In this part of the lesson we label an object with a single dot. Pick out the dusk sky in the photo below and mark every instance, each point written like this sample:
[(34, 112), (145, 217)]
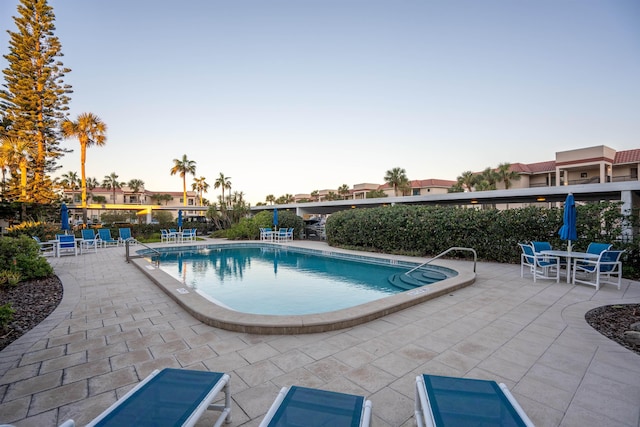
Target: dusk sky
[(289, 96)]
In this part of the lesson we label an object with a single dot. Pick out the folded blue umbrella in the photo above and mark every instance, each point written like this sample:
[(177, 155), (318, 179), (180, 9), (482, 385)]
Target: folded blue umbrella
[(569, 230)]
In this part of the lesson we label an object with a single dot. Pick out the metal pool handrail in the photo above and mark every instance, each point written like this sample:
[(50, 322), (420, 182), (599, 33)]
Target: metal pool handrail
[(454, 248), (128, 258)]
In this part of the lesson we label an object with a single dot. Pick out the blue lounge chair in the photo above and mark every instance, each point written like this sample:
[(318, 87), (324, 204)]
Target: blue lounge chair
[(125, 236), (66, 245), (105, 237), (90, 240), (451, 401), (606, 269), (310, 407), (170, 397)]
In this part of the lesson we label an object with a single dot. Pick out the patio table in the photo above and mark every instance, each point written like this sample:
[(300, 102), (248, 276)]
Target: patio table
[(568, 256)]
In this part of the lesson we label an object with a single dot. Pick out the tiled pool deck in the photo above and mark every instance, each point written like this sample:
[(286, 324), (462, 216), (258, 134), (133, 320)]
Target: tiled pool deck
[(114, 326)]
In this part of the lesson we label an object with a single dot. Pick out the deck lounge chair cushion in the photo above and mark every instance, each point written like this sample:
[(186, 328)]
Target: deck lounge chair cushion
[(314, 407), (464, 401), (167, 400)]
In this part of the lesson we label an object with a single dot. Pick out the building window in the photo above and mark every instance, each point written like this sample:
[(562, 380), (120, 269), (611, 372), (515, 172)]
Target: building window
[(416, 191), (583, 174), (190, 202), (634, 173)]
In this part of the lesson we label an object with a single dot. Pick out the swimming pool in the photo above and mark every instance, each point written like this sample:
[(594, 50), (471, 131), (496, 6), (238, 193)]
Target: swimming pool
[(283, 281), (218, 315)]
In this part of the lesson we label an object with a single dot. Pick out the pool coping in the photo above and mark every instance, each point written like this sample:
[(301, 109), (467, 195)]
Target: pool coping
[(215, 315)]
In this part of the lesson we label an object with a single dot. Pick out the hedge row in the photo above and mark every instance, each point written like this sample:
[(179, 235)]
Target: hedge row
[(494, 234)]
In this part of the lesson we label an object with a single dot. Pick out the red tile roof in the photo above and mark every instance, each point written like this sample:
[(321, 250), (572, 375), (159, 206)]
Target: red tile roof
[(628, 156), (422, 183), (540, 167)]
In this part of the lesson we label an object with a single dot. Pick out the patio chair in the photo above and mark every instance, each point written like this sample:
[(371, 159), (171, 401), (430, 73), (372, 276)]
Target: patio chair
[(166, 236), (281, 235), (541, 246), (266, 234), (125, 236), (46, 248), (105, 238), (597, 248), (89, 241), (442, 401), (310, 407), (606, 269), (66, 245), (170, 397), (188, 234), (540, 266), (289, 234)]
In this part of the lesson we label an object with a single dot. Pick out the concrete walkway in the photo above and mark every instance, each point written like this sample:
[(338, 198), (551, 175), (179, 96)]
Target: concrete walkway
[(114, 327)]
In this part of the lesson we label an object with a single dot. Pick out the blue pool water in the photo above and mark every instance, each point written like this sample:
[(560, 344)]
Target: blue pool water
[(261, 279)]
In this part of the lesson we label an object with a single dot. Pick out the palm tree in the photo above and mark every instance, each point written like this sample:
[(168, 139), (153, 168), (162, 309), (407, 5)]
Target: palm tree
[(201, 186), (224, 183), (396, 178), (467, 180), (159, 198), (315, 194), (90, 130), (136, 185), (491, 177), (16, 153), (344, 191), (92, 184), (111, 182), (183, 167), (286, 199), (506, 175), (270, 199), (70, 182), (238, 197)]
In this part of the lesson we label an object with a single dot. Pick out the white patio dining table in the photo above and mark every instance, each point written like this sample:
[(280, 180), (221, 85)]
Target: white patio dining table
[(568, 256)]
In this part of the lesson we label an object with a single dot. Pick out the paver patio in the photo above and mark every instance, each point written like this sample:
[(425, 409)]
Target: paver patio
[(114, 327)]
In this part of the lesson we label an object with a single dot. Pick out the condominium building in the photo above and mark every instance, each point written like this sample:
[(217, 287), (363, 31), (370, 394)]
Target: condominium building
[(591, 165)]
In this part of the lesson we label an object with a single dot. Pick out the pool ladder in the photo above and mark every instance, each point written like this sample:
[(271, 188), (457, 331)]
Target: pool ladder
[(454, 248)]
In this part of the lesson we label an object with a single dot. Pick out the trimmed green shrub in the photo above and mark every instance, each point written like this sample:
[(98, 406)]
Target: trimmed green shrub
[(6, 315), (22, 254), (249, 228), (493, 233)]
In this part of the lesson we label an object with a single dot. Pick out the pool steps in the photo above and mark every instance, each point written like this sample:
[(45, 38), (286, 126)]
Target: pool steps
[(415, 279)]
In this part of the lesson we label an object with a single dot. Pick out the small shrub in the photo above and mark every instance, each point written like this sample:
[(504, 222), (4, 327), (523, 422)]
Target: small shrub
[(12, 278), (6, 315), (22, 254), (44, 231)]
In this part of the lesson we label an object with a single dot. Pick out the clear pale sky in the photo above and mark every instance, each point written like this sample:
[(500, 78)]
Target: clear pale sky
[(291, 96)]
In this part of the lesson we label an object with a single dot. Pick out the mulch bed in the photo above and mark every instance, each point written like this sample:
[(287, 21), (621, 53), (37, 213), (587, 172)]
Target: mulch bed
[(32, 301), (613, 321)]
